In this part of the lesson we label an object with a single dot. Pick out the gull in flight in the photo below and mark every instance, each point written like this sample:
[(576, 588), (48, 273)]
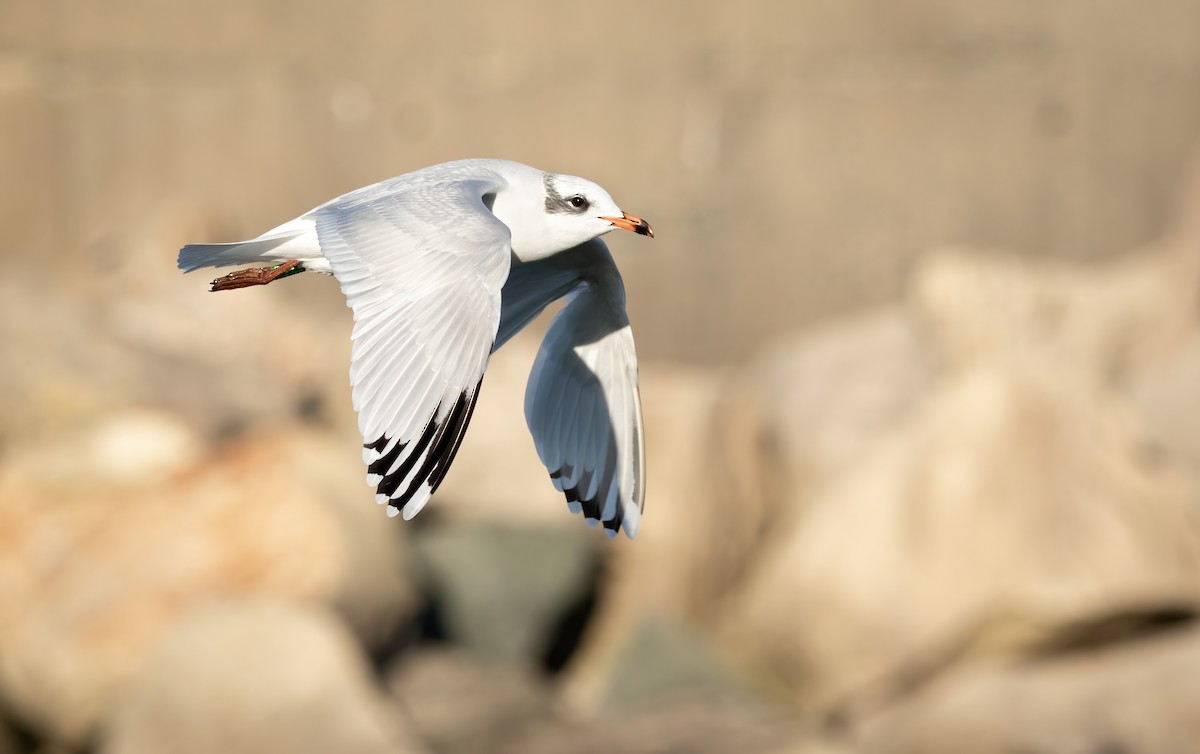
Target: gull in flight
[(441, 267)]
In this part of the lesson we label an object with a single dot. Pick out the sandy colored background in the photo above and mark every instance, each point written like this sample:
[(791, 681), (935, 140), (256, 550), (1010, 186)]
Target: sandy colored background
[(921, 372)]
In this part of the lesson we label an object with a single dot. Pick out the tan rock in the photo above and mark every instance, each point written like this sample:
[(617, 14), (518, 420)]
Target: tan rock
[(1166, 395), (732, 460), (1016, 490), (1104, 322), (255, 676), (698, 725), (463, 703), (376, 589), (823, 398), (121, 448), (220, 361), (93, 571), (1138, 696)]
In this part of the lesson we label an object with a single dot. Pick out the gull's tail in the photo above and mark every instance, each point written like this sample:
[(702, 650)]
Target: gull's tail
[(290, 241)]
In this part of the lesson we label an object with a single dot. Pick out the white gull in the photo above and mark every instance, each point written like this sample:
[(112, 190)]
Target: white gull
[(441, 267)]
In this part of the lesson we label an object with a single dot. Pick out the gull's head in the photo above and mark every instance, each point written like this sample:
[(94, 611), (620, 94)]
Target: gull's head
[(570, 211), (577, 205)]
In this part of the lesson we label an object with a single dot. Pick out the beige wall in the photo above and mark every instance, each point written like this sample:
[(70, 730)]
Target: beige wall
[(793, 157)]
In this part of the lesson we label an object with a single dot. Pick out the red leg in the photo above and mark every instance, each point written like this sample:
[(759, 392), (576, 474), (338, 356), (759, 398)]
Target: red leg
[(257, 276)]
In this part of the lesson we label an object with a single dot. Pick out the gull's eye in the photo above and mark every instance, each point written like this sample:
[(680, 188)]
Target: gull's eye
[(578, 202)]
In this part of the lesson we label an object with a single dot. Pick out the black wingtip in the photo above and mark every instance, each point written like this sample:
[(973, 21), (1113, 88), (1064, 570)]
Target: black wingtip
[(435, 450)]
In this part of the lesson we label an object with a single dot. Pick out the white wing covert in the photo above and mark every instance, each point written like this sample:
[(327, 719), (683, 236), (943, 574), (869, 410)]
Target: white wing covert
[(422, 267), (583, 408)]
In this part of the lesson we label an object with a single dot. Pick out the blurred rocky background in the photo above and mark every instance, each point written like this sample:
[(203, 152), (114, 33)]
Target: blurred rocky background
[(920, 344)]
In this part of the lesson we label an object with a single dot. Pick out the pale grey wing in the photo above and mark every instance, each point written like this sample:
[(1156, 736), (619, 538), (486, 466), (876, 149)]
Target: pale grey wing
[(584, 411), (422, 269)]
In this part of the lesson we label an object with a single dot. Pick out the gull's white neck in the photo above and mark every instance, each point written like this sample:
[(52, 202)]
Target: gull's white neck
[(521, 205)]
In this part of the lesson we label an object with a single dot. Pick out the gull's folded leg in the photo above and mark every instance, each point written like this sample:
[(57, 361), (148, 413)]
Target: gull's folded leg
[(257, 276)]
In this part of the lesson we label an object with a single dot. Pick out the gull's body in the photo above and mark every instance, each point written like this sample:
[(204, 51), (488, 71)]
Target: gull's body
[(441, 267)]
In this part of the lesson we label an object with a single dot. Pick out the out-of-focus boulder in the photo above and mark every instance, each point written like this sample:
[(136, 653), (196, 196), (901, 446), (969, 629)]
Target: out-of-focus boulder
[(376, 589), (822, 398), (501, 590), (1104, 322), (255, 676), (1166, 395), (122, 448), (1141, 696), (698, 725), (133, 331), (95, 569), (730, 459), (8, 742), (464, 703), (666, 660), (1016, 489), (692, 537), (484, 571)]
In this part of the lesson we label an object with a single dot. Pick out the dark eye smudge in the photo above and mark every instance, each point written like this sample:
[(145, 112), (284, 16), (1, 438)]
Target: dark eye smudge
[(557, 204)]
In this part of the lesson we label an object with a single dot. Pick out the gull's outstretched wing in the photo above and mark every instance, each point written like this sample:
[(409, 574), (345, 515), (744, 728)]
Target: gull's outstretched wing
[(422, 267), (583, 408)]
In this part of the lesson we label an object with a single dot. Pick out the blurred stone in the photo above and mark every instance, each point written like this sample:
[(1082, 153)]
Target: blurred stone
[(698, 724), (255, 676), (1105, 322), (8, 741), (683, 560), (377, 590), (59, 373), (463, 703), (1016, 490), (733, 459), (1141, 696), (665, 660), (694, 536), (94, 572), (846, 384), (167, 344), (500, 590), (1167, 397), (133, 447)]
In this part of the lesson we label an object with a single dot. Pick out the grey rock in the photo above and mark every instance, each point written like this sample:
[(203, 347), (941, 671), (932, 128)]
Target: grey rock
[(694, 725), (463, 703), (499, 590), (666, 660)]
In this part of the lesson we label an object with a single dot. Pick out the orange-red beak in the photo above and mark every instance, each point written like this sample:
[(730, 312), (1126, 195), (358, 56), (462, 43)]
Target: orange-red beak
[(630, 222)]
